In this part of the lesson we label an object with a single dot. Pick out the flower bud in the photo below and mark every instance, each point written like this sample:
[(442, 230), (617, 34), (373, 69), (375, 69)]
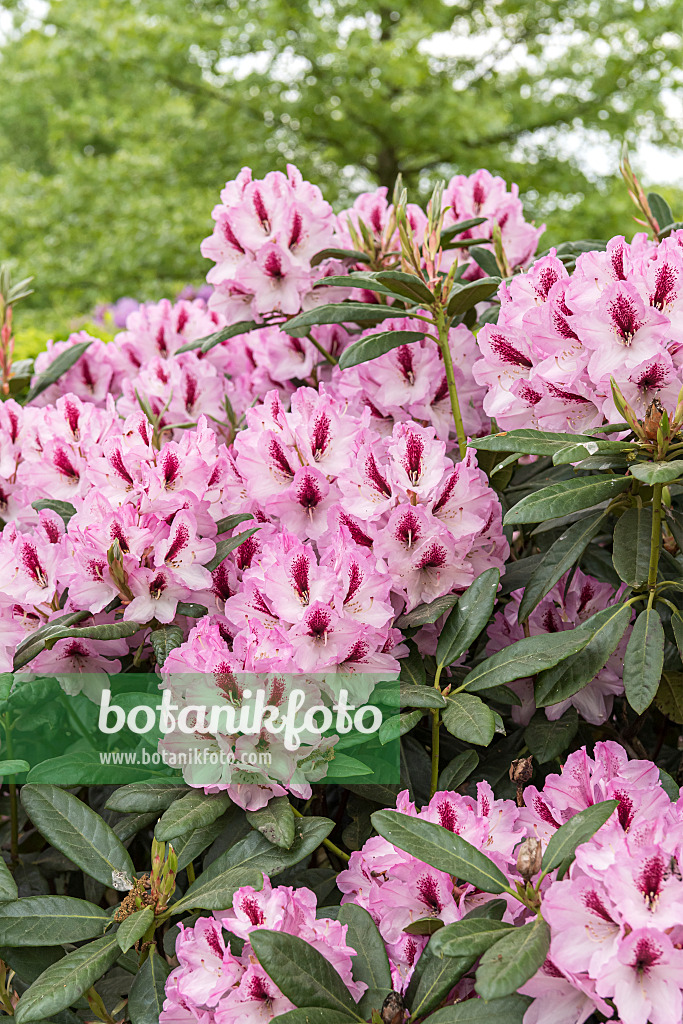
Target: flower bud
[(393, 1009), (529, 858), (652, 419)]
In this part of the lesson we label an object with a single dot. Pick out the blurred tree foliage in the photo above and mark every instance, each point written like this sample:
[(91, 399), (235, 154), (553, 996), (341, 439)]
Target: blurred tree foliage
[(121, 119)]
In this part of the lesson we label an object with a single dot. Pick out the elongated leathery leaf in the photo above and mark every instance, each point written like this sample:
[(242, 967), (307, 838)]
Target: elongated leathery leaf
[(77, 831), (444, 850), (644, 660), (567, 496), (510, 962), (560, 557), (301, 972), (374, 345), (577, 830)]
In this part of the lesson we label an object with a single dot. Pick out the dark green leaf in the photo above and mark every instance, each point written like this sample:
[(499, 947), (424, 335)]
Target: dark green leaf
[(35, 642), (147, 993), (192, 811), (565, 497), (509, 964), (134, 927), (560, 557), (465, 297), (433, 978), (467, 718), (8, 887), (64, 361), (275, 822), (63, 508), (339, 254), (141, 797), (13, 767), (164, 640), (631, 550), (193, 843), (546, 739), (577, 830), (413, 671), (426, 613), (408, 285), (424, 926), (301, 972), (224, 547), (657, 472), (669, 697), (527, 441), (375, 345), (469, 936), (564, 680), (644, 660), (50, 921), (485, 258), (211, 340), (444, 850), (509, 1010), (193, 610), (370, 964), (468, 618), (458, 770), (677, 626), (393, 728), (315, 1015), (62, 983), (107, 631), (77, 831), (525, 658), (660, 208), (449, 233), (230, 522), (669, 785), (337, 313)]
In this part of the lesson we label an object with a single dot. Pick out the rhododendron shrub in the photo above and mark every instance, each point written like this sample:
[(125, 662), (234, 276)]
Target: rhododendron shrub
[(389, 455)]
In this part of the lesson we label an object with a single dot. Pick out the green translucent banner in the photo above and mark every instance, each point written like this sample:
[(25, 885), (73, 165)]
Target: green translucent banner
[(207, 729)]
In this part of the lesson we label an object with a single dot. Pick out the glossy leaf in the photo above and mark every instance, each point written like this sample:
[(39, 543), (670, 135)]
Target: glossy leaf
[(525, 658), (193, 810), (527, 441), (463, 298), (468, 618), (106, 631), (224, 547), (50, 921), (134, 927), (141, 797), (509, 964), (631, 549), (558, 559), (275, 822), (370, 963), (337, 313), (374, 345), (509, 1010), (473, 935), (301, 972), (147, 993), (564, 680), (393, 728), (467, 718), (77, 831), (644, 660), (567, 496), (657, 472), (62, 983), (426, 613), (444, 850), (57, 368), (577, 830)]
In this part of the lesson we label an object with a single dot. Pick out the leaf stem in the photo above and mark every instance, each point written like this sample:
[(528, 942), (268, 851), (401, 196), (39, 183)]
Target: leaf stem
[(655, 537), (442, 327), (328, 355)]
